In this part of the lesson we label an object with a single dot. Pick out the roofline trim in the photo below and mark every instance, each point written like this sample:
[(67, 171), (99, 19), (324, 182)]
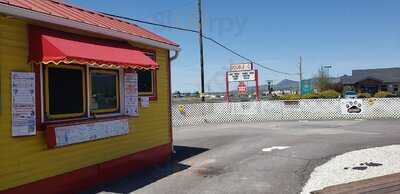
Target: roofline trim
[(29, 14)]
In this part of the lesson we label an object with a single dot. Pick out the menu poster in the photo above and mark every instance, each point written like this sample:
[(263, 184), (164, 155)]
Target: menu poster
[(23, 104), (131, 93)]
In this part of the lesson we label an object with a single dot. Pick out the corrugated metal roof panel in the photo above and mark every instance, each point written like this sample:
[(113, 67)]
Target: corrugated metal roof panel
[(58, 9)]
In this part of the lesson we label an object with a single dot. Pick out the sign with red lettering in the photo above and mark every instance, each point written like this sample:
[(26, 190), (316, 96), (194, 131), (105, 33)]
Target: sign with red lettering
[(131, 94), (242, 88)]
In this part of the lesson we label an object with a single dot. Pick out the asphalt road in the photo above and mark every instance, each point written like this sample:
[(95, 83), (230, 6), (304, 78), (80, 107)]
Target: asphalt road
[(229, 158)]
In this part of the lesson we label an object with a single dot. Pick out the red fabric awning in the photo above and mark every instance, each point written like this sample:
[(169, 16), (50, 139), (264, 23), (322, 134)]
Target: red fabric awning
[(49, 46)]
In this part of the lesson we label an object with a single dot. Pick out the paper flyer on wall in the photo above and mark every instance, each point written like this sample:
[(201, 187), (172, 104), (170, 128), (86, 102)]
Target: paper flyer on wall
[(131, 93), (144, 101), (23, 104)]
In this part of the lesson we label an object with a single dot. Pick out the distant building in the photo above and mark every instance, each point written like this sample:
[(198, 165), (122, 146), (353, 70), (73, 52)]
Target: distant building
[(373, 80)]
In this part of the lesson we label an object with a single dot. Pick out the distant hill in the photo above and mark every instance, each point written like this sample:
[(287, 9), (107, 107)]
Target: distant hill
[(287, 84)]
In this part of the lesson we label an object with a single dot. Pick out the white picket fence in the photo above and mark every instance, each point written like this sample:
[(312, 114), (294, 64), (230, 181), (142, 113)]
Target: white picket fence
[(313, 109)]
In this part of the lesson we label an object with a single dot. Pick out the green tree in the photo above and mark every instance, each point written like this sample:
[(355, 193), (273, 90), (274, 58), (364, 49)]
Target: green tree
[(322, 81)]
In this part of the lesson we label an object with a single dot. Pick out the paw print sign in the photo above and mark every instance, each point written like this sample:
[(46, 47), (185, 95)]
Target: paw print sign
[(352, 106)]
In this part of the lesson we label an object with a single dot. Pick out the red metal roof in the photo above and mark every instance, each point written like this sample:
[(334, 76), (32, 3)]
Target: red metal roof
[(66, 11)]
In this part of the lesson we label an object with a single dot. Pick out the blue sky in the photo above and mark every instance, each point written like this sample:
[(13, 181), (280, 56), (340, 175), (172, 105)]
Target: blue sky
[(347, 34)]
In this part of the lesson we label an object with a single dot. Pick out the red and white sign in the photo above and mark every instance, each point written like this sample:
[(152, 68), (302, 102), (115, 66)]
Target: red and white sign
[(242, 88), (241, 67)]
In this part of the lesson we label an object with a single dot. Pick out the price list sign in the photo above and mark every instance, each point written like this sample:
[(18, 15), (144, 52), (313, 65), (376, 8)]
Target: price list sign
[(131, 94), (23, 104)]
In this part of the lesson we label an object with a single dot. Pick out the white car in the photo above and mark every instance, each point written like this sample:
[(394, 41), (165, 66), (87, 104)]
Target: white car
[(350, 95)]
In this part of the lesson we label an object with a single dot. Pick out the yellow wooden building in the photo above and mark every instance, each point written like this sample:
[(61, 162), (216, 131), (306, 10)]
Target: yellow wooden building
[(84, 97)]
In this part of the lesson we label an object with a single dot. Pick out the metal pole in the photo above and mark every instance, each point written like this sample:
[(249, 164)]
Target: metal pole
[(227, 87), (257, 87), (301, 75), (201, 51)]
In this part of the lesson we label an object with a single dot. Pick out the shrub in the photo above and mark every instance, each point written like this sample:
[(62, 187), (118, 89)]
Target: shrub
[(329, 94), (364, 95), (310, 96), (290, 97), (383, 94)]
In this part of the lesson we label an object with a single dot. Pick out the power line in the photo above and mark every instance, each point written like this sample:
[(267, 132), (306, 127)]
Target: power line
[(151, 23), (204, 36), (245, 58), (174, 8)]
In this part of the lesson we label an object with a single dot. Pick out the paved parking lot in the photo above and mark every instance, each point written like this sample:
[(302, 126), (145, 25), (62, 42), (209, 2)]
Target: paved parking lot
[(270, 157)]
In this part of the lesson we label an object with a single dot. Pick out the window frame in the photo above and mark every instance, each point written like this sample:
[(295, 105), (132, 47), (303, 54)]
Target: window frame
[(153, 94), (46, 91), (152, 73), (117, 87)]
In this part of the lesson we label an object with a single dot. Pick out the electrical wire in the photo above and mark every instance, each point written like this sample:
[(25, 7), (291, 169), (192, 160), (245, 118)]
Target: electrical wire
[(151, 23), (174, 8), (205, 37)]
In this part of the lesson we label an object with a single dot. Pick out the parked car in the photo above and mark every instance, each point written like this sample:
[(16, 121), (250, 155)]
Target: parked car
[(350, 94)]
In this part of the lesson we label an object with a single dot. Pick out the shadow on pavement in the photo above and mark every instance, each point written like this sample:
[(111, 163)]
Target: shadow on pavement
[(145, 177)]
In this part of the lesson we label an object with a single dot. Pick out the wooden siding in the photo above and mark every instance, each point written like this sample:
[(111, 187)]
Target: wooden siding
[(27, 159)]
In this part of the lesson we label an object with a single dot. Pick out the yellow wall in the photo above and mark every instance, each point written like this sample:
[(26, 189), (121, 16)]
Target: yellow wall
[(27, 159)]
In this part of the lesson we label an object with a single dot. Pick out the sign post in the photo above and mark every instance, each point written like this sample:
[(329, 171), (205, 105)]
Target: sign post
[(227, 87), (257, 88)]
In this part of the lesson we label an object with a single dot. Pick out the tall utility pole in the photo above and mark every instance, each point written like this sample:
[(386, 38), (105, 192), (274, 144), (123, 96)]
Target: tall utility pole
[(201, 51), (300, 74)]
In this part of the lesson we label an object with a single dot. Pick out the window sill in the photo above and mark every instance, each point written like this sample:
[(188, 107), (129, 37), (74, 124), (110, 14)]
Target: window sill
[(50, 127), (61, 123)]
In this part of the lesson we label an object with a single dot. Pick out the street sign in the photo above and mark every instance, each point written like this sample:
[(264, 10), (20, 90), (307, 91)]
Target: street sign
[(239, 76), (241, 67), (306, 87)]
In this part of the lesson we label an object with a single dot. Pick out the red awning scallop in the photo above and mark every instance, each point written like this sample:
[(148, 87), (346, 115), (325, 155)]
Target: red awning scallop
[(49, 46)]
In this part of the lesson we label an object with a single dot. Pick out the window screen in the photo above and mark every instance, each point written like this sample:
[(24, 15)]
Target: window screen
[(65, 91), (104, 96), (145, 82)]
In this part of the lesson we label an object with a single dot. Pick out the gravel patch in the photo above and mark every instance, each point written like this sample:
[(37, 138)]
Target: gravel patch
[(355, 166)]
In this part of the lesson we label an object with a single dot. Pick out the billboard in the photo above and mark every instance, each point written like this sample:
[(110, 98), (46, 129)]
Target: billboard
[(239, 76)]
